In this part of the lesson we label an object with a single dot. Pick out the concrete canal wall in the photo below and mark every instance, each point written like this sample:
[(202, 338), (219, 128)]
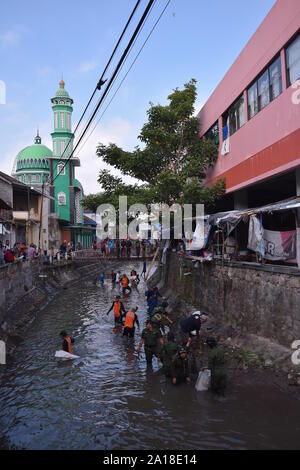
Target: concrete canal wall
[(251, 300), (27, 286)]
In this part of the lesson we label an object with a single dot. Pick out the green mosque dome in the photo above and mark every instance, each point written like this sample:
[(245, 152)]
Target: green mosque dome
[(34, 156)]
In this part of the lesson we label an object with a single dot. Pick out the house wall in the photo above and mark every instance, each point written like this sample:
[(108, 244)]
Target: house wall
[(269, 143)]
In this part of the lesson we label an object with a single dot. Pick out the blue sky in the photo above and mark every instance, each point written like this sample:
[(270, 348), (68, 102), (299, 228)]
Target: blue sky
[(41, 40)]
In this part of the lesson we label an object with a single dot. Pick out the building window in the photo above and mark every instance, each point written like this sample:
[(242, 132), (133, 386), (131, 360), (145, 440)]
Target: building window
[(275, 79), (263, 90), (38, 178), (234, 117), (56, 120), (213, 134), (267, 87), (69, 120), (252, 101), (62, 120), (61, 197), (61, 169), (62, 144), (293, 61)]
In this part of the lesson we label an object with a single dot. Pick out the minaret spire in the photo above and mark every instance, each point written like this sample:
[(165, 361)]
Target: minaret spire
[(37, 139)]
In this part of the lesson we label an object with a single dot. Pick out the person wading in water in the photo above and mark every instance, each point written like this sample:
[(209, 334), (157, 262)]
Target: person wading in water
[(130, 320), (125, 284), (67, 341), (119, 310)]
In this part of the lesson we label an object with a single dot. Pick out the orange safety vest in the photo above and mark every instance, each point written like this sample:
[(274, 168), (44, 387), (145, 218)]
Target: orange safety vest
[(124, 281), (129, 320), (68, 339), (117, 308)]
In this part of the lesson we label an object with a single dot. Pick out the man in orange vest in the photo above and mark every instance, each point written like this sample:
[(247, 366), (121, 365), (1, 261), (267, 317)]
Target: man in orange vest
[(119, 310), (125, 284), (67, 341), (130, 320)]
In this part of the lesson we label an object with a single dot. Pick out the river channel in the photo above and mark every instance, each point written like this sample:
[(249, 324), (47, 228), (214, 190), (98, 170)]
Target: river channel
[(107, 399)]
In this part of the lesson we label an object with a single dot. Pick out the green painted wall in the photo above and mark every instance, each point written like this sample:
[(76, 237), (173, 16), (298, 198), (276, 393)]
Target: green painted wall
[(61, 184)]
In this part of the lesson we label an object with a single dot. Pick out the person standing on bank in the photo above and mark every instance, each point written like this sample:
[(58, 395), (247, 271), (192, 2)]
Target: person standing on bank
[(192, 323), (137, 248), (130, 320)]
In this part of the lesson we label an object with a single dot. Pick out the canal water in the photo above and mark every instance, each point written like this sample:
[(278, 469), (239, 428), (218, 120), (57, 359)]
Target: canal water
[(107, 399)]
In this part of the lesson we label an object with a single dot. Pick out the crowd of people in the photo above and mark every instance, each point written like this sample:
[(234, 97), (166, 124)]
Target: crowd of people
[(125, 248), (18, 252)]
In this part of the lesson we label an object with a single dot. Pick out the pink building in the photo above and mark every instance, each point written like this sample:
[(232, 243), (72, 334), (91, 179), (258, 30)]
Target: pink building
[(254, 115)]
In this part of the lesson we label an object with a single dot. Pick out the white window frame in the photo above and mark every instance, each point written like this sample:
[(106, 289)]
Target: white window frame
[(62, 146), (63, 172), (56, 120), (62, 199), (62, 120)]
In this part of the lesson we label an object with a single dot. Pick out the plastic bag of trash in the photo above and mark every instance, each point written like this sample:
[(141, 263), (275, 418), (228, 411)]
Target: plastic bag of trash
[(203, 380), (65, 355)]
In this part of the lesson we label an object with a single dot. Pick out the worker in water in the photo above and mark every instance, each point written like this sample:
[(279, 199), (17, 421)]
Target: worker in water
[(131, 319), (67, 341), (125, 284), (157, 320), (168, 351), (113, 277), (144, 268), (102, 279), (119, 310), (152, 343), (180, 367), (152, 299), (191, 324)]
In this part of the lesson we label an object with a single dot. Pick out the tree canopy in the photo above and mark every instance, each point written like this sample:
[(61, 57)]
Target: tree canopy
[(170, 164)]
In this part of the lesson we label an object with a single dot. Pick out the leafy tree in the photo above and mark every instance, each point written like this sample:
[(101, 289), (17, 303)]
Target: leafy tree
[(172, 163)]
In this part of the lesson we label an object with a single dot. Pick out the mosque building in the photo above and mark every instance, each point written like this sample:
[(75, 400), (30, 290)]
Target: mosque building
[(53, 173)]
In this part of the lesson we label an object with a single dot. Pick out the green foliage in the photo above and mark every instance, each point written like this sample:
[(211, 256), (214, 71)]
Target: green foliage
[(172, 162)]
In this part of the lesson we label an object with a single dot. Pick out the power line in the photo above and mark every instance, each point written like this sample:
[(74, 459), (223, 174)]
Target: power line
[(124, 61), (111, 80), (101, 81), (132, 64)]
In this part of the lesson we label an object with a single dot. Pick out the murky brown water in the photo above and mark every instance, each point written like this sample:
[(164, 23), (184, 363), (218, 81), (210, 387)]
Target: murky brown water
[(108, 400)]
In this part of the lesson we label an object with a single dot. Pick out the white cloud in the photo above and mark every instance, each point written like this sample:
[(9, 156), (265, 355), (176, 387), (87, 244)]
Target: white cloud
[(87, 66), (9, 38), (118, 131)]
